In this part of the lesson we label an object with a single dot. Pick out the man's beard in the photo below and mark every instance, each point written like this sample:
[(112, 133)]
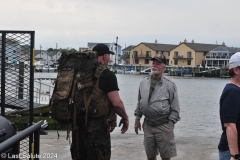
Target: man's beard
[(155, 72)]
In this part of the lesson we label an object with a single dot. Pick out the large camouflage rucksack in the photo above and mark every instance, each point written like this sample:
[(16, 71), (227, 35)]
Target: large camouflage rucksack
[(76, 88)]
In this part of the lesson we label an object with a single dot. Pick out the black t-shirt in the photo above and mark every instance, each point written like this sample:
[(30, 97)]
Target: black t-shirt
[(229, 112), (108, 81)]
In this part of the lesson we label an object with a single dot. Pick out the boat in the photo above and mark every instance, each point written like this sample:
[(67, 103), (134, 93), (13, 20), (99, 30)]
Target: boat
[(146, 71), (178, 71), (44, 66), (45, 69)]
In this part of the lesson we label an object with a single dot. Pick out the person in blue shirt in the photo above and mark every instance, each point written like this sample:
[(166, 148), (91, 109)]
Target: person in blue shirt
[(230, 113)]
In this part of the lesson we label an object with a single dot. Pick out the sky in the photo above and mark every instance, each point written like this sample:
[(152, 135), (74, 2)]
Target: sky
[(74, 23)]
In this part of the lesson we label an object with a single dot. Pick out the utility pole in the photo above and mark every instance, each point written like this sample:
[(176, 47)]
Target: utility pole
[(116, 55), (47, 53), (56, 51), (40, 51)]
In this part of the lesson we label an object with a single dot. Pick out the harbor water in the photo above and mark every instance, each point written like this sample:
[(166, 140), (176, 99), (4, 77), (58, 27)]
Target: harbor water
[(198, 97), (197, 133)]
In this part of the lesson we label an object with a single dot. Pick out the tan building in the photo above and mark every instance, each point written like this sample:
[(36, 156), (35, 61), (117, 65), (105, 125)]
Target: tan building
[(141, 54), (184, 54), (190, 54)]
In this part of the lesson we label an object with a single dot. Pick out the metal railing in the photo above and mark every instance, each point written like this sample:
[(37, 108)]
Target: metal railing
[(218, 57), (17, 79), (42, 92), (11, 146)]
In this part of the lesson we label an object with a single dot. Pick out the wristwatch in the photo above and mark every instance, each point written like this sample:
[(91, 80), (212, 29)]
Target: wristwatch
[(236, 156)]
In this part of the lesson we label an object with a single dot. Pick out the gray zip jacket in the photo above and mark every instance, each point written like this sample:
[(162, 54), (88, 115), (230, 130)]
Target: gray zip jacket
[(163, 102)]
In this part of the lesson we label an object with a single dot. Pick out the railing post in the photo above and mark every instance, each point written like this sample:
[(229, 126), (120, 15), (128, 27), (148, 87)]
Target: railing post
[(36, 143), (16, 149), (37, 93), (40, 88)]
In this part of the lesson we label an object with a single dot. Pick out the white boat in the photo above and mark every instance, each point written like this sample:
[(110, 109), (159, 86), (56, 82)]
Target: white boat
[(146, 71), (45, 69), (131, 72), (44, 66)]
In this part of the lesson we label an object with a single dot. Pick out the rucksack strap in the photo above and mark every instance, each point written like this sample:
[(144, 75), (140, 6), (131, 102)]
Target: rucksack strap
[(74, 107), (86, 103)]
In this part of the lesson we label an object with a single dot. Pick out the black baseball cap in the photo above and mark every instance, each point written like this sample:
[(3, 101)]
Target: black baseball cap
[(102, 49), (160, 58)]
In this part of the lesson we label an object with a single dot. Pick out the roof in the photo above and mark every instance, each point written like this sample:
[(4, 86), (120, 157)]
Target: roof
[(200, 47), (232, 49), (52, 53), (220, 49), (128, 48), (159, 47), (37, 52), (225, 49), (10, 41)]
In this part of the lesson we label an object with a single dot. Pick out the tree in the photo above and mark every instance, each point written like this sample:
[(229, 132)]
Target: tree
[(49, 49), (58, 50), (64, 50)]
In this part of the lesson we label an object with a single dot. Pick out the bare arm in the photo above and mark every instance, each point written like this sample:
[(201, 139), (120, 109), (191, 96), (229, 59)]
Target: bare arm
[(119, 109), (232, 136)]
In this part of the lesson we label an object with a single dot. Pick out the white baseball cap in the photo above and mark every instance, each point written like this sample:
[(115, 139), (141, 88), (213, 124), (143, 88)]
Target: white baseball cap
[(234, 60)]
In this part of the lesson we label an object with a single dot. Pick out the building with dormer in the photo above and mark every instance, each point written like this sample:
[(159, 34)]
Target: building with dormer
[(187, 54), (190, 54), (219, 57), (141, 54)]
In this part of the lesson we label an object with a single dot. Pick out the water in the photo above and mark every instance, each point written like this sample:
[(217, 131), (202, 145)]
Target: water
[(198, 97), (199, 103)]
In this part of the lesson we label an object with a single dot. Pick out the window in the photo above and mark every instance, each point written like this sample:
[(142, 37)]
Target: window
[(175, 54), (188, 62), (136, 61), (175, 62), (221, 62), (189, 54), (168, 53), (204, 53), (135, 54), (148, 54), (146, 61)]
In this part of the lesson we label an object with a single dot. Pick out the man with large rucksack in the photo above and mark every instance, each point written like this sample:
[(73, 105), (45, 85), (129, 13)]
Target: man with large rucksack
[(89, 102)]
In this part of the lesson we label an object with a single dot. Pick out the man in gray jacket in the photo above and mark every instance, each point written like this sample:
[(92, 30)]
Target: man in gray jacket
[(158, 102)]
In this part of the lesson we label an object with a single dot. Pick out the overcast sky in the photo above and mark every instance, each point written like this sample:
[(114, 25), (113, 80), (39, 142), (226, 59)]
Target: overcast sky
[(74, 23)]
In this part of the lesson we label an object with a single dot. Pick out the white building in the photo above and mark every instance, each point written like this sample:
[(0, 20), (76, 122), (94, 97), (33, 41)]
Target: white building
[(112, 47), (47, 56), (219, 57)]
